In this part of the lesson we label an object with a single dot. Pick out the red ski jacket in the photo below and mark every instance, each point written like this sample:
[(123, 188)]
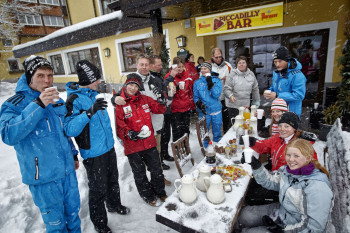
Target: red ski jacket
[(183, 99), (275, 146), (192, 71), (132, 116)]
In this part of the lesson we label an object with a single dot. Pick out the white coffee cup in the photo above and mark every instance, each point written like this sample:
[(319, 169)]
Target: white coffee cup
[(246, 141), (248, 153), (316, 105), (267, 91), (55, 88), (100, 95), (182, 85), (174, 66), (260, 113)]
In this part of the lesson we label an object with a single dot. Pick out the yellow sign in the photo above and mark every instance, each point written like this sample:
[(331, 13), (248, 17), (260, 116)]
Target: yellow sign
[(241, 20)]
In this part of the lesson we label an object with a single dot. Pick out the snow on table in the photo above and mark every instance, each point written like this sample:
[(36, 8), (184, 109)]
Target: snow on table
[(202, 215)]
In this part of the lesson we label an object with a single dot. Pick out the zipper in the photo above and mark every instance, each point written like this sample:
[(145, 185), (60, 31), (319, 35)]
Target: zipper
[(48, 124), (36, 168), (60, 121), (276, 161)]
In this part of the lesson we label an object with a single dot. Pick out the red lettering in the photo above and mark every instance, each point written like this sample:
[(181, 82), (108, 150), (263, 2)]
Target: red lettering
[(247, 22), (238, 24), (222, 18), (230, 25)]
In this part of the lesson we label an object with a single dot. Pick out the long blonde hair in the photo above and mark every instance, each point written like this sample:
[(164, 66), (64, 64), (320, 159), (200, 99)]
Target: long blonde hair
[(306, 150)]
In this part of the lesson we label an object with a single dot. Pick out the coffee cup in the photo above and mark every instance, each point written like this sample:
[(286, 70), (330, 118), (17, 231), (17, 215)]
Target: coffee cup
[(267, 91), (260, 113), (54, 88), (182, 85), (100, 95), (174, 66), (248, 153), (316, 105), (246, 141)]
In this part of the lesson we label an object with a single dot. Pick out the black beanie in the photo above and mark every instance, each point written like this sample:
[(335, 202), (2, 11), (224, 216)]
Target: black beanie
[(207, 64), (87, 73), (32, 63), (290, 118), (281, 53), (134, 78)]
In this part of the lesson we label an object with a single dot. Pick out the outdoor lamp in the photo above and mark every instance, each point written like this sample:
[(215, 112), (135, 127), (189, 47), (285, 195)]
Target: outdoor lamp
[(107, 52), (181, 41)]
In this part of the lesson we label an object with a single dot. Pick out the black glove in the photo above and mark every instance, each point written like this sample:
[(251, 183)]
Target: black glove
[(100, 104), (256, 164), (133, 135), (210, 83), (252, 141), (271, 225), (201, 106), (242, 159)]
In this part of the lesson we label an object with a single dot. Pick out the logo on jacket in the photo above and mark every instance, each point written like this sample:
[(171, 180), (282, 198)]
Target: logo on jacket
[(146, 108), (127, 110)]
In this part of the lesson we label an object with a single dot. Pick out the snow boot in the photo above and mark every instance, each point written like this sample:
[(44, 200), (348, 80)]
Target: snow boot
[(105, 229), (155, 203), (165, 167), (168, 158), (123, 210)]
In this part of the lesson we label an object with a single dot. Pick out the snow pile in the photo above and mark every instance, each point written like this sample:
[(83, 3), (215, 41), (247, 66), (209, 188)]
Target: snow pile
[(338, 165)]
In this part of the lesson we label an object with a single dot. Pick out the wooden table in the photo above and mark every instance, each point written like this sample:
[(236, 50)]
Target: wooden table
[(203, 216)]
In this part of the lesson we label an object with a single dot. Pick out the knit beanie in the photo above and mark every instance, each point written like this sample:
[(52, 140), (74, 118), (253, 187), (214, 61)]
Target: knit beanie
[(290, 118), (281, 53), (206, 64), (279, 104), (32, 63), (87, 72), (133, 78)]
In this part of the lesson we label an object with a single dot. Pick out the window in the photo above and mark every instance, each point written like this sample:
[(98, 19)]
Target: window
[(13, 64), (105, 7), (50, 2), (131, 50), (92, 55), (7, 42), (67, 22), (57, 63), (53, 21), (63, 2), (30, 20), (35, 1)]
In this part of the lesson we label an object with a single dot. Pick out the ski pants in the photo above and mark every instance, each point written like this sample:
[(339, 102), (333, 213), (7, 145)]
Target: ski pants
[(59, 204), (148, 190), (216, 122), (225, 117), (102, 173), (165, 137), (180, 124)]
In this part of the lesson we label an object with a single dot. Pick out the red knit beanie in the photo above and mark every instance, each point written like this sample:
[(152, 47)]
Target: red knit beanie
[(279, 104)]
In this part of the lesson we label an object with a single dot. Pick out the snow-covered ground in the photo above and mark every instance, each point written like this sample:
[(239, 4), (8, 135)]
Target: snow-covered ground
[(19, 214)]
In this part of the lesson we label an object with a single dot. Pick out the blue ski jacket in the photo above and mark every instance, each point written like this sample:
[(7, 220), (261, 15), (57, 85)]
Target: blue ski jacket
[(43, 151), (210, 98), (290, 85), (94, 136)]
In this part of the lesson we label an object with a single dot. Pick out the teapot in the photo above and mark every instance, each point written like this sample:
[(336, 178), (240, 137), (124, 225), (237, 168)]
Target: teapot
[(215, 191), (204, 171), (238, 121), (187, 193)]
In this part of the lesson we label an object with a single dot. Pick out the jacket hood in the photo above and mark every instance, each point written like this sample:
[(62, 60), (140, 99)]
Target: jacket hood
[(294, 64), (128, 97), (74, 88), (22, 86)]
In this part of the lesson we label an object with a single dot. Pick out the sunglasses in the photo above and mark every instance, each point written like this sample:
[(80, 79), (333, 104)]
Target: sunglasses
[(218, 57)]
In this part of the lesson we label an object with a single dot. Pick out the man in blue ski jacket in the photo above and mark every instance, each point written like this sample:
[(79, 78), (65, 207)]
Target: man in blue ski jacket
[(288, 82), (206, 93), (32, 122), (88, 121)]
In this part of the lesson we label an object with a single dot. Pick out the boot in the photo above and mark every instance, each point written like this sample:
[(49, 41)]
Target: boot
[(123, 210), (105, 229), (165, 167), (168, 158)]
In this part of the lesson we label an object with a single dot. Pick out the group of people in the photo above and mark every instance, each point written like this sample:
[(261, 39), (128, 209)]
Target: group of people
[(148, 110)]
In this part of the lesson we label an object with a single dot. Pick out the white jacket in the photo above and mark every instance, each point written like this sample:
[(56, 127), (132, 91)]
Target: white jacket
[(224, 69)]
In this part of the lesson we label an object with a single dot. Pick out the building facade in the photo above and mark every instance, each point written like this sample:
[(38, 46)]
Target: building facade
[(313, 30)]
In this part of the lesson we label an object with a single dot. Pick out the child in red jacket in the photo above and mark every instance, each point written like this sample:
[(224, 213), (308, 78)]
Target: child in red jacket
[(134, 128)]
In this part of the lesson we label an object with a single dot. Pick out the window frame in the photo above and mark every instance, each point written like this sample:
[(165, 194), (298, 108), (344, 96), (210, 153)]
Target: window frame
[(51, 4), (31, 1), (50, 58), (28, 24), (50, 17), (20, 69), (3, 41)]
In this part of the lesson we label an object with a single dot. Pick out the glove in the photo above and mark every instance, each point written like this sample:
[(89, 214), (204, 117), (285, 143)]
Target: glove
[(252, 141), (271, 225), (133, 135), (201, 106), (256, 164), (155, 91), (100, 104), (210, 83)]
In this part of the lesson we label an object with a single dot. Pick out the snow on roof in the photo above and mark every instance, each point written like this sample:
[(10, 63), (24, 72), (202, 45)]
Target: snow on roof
[(72, 28)]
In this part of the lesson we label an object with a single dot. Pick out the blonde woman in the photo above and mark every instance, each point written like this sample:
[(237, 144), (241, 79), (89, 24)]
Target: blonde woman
[(305, 195)]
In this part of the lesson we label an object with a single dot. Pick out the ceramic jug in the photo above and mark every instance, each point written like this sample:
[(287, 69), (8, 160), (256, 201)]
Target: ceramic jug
[(204, 171), (241, 110), (254, 124), (215, 189), (238, 121), (252, 111), (187, 192)]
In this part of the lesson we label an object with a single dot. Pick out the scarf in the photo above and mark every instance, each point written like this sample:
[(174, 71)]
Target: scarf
[(306, 170)]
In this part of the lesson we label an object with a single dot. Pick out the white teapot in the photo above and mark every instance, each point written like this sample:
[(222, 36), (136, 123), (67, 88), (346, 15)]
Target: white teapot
[(215, 192), (204, 171), (187, 193), (238, 121)]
